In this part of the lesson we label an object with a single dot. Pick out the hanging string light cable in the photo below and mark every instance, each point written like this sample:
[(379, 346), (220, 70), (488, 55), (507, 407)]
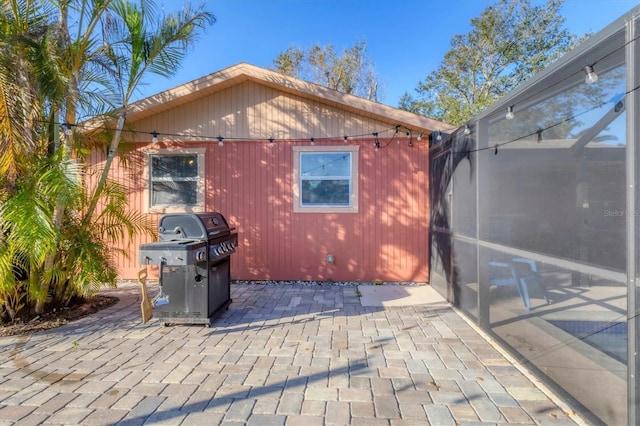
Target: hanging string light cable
[(219, 138), (377, 142), (538, 131), (395, 129), (581, 71)]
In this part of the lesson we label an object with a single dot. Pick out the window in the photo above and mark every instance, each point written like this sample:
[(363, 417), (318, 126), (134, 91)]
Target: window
[(175, 180), (326, 179)]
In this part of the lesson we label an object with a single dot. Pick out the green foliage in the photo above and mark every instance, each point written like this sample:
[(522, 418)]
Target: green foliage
[(83, 255), (57, 231), (509, 42), (350, 72)]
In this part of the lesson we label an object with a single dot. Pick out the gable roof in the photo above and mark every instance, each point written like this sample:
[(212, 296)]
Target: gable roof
[(242, 72)]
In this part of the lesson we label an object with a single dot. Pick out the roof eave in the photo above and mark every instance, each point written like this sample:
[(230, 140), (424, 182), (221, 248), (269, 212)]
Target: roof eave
[(239, 73)]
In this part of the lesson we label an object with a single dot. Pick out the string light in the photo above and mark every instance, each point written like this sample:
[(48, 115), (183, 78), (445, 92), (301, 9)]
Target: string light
[(467, 129), (67, 130), (590, 75), (509, 115), (270, 142), (590, 78), (439, 136), (539, 132), (155, 134), (618, 106), (586, 70), (222, 139)]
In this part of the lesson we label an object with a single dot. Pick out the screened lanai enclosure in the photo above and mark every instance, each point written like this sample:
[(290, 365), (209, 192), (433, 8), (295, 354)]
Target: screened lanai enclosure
[(535, 223)]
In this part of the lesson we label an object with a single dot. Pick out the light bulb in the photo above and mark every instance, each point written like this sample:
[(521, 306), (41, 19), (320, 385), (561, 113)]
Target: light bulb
[(591, 76), (467, 130), (509, 115), (154, 137)]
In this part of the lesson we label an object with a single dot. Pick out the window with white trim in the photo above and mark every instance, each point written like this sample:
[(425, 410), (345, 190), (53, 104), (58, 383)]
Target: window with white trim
[(175, 180), (326, 179)]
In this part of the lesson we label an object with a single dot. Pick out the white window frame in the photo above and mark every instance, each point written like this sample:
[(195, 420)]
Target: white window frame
[(200, 179), (353, 196)]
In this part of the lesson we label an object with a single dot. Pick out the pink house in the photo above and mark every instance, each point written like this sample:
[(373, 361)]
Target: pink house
[(320, 185)]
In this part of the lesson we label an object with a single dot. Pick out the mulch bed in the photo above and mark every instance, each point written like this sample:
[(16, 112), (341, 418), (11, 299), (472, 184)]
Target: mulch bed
[(60, 317)]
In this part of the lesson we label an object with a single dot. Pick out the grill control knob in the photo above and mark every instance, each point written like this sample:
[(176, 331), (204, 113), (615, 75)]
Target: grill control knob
[(201, 256)]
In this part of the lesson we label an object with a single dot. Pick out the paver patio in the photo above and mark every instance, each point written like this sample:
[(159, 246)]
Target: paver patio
[(281, 355)]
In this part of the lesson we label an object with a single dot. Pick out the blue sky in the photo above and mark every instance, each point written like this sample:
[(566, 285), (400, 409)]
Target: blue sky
[(406, 39)]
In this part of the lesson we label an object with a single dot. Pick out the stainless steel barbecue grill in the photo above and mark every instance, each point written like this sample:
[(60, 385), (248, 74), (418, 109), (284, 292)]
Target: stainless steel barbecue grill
[(194, 256)]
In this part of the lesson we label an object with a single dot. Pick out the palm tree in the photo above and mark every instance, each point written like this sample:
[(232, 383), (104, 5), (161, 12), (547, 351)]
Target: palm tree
[(28, 81), (134, 40), (139, 43), (54, 242)]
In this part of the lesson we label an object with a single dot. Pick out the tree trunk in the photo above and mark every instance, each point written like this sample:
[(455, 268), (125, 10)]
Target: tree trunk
[(58, 215), (113, 150)]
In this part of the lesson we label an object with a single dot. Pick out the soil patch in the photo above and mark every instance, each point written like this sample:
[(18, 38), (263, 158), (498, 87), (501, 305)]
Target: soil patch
[(60, 317)]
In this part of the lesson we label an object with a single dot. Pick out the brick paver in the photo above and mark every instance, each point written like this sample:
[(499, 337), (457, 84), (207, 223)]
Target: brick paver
[(281, 355)]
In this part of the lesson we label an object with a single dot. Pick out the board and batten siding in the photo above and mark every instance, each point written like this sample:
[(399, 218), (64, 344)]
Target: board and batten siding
[(251, 184)]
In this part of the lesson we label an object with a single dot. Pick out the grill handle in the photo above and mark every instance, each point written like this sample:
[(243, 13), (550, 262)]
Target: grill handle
[(219, 231), (176, 231)]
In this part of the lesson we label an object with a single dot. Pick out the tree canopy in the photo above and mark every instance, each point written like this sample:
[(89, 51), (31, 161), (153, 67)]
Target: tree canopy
[(350, 72), (508, 43)]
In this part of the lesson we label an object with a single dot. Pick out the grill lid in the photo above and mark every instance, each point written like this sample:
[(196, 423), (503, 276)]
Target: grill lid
[(191, 226)]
